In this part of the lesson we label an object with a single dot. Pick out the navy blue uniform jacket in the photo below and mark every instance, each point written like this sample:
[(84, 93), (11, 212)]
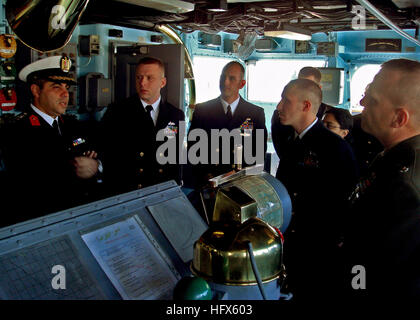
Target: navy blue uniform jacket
[(280, 132), (129, 145), (319, 172), (38, 161), (211, 115)]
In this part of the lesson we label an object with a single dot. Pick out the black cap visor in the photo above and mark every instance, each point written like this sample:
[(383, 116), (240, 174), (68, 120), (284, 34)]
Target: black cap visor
[(54, 75)]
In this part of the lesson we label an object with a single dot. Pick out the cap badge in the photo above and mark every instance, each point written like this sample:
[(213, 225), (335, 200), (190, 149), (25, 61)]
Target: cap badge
[(65, 64)]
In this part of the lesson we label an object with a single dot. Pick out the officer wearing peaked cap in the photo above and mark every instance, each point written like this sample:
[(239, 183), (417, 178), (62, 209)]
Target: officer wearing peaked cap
[(55, 69), (50, 162)]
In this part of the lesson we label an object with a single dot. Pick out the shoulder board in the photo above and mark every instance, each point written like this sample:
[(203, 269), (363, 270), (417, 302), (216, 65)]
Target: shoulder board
[(21, 116)]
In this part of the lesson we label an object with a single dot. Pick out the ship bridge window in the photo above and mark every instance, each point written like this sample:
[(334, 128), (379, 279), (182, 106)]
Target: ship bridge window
[(207, 72), (360, 79), (267, 78)]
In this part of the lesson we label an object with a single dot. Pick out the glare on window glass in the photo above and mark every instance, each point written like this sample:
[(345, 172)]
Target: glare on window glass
[(267, 78), (361, 78), (207, 72)]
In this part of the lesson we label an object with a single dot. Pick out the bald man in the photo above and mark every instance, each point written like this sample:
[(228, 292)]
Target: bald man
[(319, 171), (228, 111), (279, 131), (384, 234)]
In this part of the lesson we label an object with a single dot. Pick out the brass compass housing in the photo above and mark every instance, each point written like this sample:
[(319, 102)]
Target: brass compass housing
[(221, 254)]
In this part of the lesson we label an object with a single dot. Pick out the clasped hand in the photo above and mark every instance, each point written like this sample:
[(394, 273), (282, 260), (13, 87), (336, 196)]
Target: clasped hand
[(86, 166)]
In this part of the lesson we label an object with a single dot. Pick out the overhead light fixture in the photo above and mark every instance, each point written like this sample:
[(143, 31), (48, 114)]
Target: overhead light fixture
[(287, 31)]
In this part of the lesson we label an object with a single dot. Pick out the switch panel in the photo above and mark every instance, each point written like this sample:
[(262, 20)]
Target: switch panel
[(89, 45)]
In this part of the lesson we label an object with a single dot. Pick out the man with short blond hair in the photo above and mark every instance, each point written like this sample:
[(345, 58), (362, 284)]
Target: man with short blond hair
[(280, 131), (129, 134), (310, 73), (384, 230)]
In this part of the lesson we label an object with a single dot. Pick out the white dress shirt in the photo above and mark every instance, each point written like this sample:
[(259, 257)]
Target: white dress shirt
[(233, 105), (44, 116), (155, 112)]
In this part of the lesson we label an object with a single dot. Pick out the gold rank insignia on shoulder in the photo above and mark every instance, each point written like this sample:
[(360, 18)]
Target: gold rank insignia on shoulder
[(65, 64), (20, 116)]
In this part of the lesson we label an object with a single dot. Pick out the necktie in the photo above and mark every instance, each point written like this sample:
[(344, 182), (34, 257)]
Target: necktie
[(56, 128), (149, 109), (229, 113)]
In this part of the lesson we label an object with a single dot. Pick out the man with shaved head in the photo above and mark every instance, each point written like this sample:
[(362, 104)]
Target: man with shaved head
[(279, 131), (228, 111), (315, 75), (384, 234), (319, 171)]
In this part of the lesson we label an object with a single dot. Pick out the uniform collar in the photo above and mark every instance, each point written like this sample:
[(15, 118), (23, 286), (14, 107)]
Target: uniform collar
[(306, 129), (232, 105), (155, 105), (412, 143), (401, 156), (44, 116)]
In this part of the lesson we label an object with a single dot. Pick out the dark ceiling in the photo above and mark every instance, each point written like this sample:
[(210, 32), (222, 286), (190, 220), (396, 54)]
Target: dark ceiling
[(317, 16)]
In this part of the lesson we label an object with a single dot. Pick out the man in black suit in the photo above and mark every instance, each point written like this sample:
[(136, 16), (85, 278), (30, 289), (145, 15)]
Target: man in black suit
[(279, 131), (51, 165), (384, 227), (130, 130), (229, 111), (319, 170)]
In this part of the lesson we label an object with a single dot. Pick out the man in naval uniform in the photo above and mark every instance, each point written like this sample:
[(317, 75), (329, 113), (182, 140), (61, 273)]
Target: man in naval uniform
[(365, 146), (229, 111), (383, 237), (319, 171), (52, 166), (129, 133), (279, 131)]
